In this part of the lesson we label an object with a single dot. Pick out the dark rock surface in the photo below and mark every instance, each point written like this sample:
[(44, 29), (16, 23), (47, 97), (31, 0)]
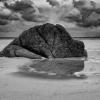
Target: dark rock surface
[(46, 40)]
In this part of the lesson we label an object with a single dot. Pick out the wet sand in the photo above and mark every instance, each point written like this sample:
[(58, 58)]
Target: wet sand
[(15, 85)]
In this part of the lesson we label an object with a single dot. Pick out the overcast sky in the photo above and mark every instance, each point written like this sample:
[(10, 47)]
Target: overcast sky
[(40, 2), (43, 2)]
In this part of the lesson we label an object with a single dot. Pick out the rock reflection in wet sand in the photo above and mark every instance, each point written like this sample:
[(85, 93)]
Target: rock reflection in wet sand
[(54, 68)]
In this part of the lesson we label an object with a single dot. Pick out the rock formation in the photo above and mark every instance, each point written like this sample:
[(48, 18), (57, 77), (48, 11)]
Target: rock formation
[(48, 40)]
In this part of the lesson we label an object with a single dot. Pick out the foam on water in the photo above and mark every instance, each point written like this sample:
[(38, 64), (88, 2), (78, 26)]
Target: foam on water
[(92, 67)]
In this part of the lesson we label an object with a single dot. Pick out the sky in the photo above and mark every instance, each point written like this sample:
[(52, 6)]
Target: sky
[(40, 2), (97, 0), (44, 3)]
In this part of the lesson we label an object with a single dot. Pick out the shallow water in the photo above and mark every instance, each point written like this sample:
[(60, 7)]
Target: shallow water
[(17, 85)]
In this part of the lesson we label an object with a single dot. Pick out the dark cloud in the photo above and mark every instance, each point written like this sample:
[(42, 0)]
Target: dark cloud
[(53, 2), (24, 9), (4, 22)]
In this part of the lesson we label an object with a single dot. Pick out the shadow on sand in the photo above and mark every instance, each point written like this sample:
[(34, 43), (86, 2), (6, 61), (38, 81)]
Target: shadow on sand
[(47, 77)]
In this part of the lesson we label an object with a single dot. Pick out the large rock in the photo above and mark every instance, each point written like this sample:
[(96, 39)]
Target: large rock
[(47, 40)]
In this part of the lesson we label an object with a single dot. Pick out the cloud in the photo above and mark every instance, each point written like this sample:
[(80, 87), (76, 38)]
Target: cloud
[(53, 3), (21, 10)]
